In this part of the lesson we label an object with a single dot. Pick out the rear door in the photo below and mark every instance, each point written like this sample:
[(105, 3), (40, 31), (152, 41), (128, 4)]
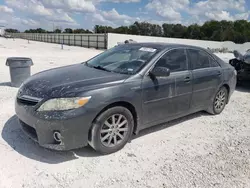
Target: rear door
[(207, 76)]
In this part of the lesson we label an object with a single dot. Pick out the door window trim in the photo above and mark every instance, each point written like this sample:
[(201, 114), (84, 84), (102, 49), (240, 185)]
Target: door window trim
[(168, 50)]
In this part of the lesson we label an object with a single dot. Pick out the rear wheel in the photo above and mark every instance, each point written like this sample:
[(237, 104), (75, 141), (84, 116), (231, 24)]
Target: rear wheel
[(111, 130), (219, 102)]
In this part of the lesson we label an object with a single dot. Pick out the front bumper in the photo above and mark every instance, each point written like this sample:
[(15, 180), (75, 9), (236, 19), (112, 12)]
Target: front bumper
[(40, 126)]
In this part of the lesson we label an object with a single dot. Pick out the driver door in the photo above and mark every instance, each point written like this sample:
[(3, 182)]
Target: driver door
[(166, 97)]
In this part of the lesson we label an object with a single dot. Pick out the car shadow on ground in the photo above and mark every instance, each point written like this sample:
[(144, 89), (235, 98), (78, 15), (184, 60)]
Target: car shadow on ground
[(169, 124), (5, 84), (243, 87), (17, 139), (19, 142)]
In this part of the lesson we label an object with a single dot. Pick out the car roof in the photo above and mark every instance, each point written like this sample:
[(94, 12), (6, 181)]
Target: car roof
[(161, 45)]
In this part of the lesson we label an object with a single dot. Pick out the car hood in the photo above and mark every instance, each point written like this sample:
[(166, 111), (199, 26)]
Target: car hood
[(68, 81)]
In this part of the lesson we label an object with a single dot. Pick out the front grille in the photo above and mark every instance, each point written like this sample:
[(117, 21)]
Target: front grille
[(27, 100), (30, 131)]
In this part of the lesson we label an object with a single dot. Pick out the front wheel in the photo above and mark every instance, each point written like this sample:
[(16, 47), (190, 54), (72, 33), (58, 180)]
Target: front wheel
[(219, 101), (111, 130)]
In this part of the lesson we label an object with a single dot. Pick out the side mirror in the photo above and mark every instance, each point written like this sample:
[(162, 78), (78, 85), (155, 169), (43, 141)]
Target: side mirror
[(160, 72)]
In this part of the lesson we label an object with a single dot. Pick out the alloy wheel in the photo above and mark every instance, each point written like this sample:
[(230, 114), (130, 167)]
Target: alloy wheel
[(220, 100), (114, 130)]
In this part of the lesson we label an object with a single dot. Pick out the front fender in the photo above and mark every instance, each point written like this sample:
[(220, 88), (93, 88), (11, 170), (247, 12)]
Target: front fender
[(103, 97)]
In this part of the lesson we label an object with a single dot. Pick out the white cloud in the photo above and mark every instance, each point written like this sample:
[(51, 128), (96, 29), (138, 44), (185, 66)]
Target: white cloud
[(60, 16), (220, 5), (111, 18), (45, 13), (172, 10), (3, 21), (219, 10), (31, 6), (222, 15), (35, 7), (121, 1), (114, 15), (99, 18), (5, 9), (242, 16), (28, 22), (12, 21), (74, 5), (168, 9)]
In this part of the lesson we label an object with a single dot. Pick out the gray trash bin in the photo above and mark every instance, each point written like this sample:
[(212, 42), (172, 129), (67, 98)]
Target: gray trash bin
[(19, 69)]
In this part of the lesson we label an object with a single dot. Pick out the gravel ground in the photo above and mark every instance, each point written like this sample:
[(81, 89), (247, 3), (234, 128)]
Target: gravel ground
[(196, 151)]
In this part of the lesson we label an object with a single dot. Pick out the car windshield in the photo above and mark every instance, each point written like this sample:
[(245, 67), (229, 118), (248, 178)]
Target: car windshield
[(124, 59)]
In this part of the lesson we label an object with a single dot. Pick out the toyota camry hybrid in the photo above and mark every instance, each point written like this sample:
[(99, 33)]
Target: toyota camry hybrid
[(104, 101)]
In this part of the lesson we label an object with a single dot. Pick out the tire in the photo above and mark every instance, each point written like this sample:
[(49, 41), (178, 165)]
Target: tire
[(219, 101), (107, 137)]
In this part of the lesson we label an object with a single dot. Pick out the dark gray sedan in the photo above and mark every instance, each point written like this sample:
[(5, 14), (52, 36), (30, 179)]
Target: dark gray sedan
[(105, 100)]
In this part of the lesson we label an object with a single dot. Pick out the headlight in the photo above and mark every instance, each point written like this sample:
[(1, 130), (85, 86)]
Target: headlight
[(63, 104)]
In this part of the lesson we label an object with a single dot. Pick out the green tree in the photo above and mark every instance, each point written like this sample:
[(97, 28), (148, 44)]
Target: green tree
[(81, 31), (179, 31), (38, 30), (237, 31), (145, 28), (156, 30), (134, 29), (58, 31), (168, 30), (122, 29), (103, 29), (9, 30), (194, 32), (68, 30), (211, 30)]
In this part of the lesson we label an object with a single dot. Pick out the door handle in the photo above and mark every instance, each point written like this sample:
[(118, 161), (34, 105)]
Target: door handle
[(219, 73), (187, 79)]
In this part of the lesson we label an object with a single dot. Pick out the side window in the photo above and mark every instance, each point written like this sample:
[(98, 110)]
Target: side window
[(200, 59), (175, 60)]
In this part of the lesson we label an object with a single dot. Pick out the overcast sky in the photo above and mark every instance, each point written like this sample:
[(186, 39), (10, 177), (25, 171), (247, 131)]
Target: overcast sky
[(23, 14)]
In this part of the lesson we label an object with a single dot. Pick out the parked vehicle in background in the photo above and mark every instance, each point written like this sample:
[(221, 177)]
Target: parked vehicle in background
[(241, 63), (105, 100)]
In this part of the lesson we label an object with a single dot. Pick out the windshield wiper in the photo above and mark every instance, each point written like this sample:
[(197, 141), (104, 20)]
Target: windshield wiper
[(101, 68)]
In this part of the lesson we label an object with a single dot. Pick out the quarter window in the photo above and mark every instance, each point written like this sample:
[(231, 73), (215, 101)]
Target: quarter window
[(213, 63), (175, 60)]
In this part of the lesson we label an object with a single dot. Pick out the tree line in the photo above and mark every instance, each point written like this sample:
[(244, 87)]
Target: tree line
[(236, 31)]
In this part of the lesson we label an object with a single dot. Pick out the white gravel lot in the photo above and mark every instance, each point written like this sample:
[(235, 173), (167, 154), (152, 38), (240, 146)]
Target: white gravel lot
[(196, 151)]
